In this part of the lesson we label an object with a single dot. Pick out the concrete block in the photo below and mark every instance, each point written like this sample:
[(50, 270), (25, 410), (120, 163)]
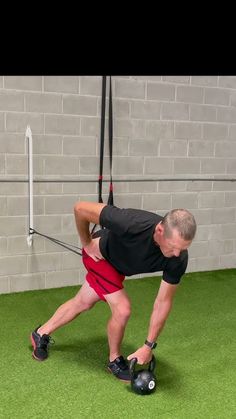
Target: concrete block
[(172, 186), (11, 101), (226, 114), (12, 143), (213, 166), (202, 113), (208, 263), (27, 282), (90, 126), (80, 105), (134, 89), (212, 200), (48, 224), (159, 130), (228, 261), (199, 249), (79, 146), (121, 108), (33, 83), (17, 122), (127, 165), (44, 262), (189, 94), (13, 226), (123, 128), (143, 148), (47, 144), (154, 202), (188, 130), (174, 148), (201, 148), (61, 84), (177, 111), (199, 185), (128, 201), (140, 187), (230, 199), (8, 188), (185, 200), (227, 81), (3, 245), (59, 205), (216, 247), (43, 103), (18, 245), (3, 205), (4, 285), (215, 131), (2, 122), (232, 132), (91, 85), (177, 79), (145, 110), (64, 278), (204, 80), (231, 166), (11, 265), (157, 166), (229, 231), (225, 149), (62, 124), (160, 91), (71, 261), (188, 165), (61, 165), (216, 96)]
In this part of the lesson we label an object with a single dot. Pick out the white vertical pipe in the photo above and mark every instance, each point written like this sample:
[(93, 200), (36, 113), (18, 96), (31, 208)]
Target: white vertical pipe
[(28, 134)]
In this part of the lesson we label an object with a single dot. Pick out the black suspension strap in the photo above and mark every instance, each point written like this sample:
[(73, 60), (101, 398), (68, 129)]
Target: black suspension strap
[(110, 130), (57, 241), (102, 137), (110, 200)]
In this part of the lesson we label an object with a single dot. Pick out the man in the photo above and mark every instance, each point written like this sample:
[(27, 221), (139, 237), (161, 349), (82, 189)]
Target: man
[(132, 242)]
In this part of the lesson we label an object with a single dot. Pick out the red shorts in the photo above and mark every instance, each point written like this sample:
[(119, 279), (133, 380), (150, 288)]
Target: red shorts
[(101, 276)]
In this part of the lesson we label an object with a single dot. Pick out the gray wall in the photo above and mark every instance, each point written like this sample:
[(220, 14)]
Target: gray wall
[(164, 128)]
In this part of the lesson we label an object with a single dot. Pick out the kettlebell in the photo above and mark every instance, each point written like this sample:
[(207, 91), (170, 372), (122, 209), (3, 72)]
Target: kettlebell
[(143, 381)]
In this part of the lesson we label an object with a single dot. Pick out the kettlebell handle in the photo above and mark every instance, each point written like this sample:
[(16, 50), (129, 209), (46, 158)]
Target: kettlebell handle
[(152, 364), (133, 362)]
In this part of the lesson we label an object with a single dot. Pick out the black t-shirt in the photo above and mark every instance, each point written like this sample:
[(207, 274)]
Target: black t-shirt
[(127, 243)]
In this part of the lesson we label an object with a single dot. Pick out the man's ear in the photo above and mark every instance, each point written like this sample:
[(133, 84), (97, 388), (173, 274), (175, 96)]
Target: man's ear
[(160, 229)]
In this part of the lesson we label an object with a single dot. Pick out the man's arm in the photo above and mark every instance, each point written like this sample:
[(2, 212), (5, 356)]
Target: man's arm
[(161, 309), (86, 213)]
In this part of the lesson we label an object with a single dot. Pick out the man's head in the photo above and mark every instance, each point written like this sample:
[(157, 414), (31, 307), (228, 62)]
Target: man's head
[(175, 232)]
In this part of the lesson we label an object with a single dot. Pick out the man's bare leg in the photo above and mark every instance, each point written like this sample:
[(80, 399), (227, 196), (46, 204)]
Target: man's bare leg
[(82, 301)]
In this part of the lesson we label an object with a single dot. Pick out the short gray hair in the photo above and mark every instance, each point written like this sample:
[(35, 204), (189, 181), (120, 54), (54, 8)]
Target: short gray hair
[(183, 221)]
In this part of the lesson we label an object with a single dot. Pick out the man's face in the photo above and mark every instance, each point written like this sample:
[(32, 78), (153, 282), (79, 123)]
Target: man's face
[(171, 246)]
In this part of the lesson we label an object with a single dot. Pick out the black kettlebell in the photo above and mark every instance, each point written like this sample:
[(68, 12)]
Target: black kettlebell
[(143, 381)]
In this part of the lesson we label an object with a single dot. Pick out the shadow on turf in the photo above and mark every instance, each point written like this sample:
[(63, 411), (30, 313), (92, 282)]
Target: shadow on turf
[(92, 353)]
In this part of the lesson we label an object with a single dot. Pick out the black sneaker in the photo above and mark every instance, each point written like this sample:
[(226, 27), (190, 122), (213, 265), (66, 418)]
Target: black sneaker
[(119, 367), (40, 345)]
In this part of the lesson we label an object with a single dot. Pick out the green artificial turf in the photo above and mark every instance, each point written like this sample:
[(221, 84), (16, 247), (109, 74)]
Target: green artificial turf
[(196, 366)]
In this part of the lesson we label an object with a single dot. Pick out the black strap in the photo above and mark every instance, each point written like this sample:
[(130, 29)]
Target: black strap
[(102, 137), (110, 200), (110, 130), (61, 243)]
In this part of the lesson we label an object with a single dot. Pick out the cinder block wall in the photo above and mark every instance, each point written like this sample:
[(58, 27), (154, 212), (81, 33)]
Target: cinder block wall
[(169, 129)]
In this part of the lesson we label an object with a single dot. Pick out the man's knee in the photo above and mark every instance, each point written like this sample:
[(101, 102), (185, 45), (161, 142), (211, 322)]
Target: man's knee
[(82, 304), (122, 311)]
